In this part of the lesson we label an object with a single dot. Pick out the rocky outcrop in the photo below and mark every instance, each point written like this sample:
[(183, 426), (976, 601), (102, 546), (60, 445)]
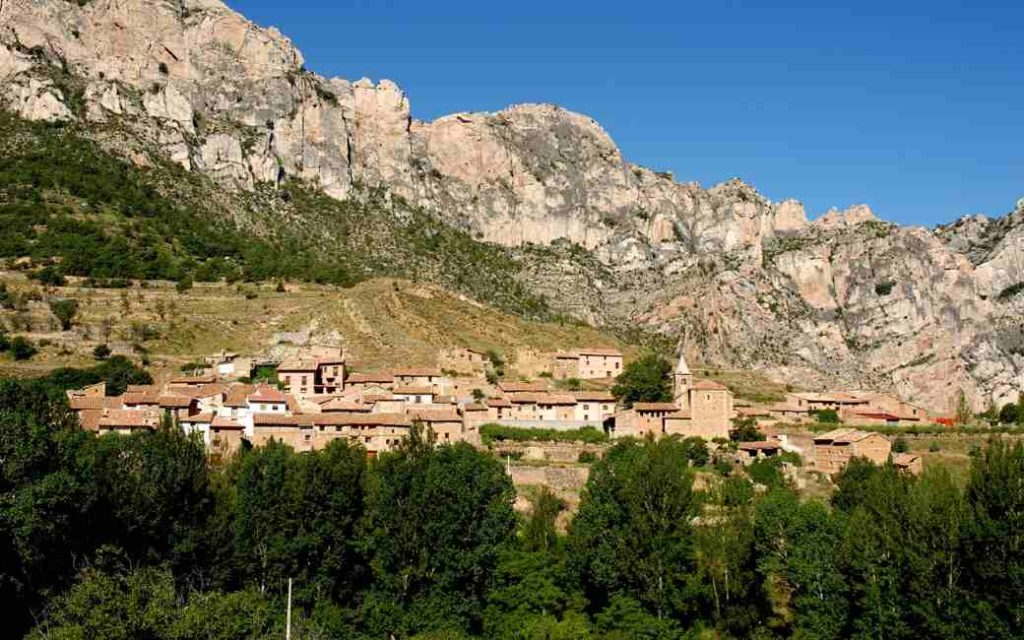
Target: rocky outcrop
[(846, 299)]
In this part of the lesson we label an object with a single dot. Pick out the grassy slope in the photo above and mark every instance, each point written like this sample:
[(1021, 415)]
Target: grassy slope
[(384, 322)]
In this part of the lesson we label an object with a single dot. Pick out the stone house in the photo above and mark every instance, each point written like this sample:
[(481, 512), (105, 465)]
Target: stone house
[(362, 381), (298, 376), (414, 393), (908, 462), (595, 363), (834, 449), (463, 360), (594, 406), (417, 376)]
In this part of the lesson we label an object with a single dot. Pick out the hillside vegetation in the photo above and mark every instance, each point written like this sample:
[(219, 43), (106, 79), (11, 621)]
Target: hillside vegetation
[(383, 322), (66, 200)]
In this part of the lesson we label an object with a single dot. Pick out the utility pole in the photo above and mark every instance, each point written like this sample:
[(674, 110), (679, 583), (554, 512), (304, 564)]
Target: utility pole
[(288, 616)]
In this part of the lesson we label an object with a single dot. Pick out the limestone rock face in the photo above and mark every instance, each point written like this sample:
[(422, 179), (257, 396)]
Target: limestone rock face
[(743, 281)]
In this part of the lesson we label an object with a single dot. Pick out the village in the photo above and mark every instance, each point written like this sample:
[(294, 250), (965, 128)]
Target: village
[(309, 397)]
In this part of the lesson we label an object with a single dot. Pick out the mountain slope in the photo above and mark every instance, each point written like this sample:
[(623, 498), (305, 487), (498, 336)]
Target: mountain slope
[(740, 280)]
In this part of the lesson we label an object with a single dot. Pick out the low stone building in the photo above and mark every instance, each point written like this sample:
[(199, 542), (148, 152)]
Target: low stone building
[(834, 449)]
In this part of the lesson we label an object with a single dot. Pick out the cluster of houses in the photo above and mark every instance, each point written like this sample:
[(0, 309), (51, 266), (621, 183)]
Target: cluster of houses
[(867, 408), (315, 399)]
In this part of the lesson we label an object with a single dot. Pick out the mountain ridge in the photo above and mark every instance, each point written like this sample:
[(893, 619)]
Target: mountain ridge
[(845, 299)]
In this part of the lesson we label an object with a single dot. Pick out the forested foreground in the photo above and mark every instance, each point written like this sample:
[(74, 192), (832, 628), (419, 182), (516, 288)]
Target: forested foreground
[(138, 537)]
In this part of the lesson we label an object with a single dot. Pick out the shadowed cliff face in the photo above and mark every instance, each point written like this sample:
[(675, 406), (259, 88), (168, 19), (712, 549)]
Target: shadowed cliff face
[(743, 281)]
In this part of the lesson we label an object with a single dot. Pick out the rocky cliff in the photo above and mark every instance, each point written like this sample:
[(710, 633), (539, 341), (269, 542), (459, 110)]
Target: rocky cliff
[(741, 280)]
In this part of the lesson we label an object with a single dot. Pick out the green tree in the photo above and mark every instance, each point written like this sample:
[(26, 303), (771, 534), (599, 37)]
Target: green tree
[(437, 518), (101, 352), (65, 310), (797, 550), (632, 535), (645, 379), (964, 415), (744, 429), (994, 539), (297, 517)]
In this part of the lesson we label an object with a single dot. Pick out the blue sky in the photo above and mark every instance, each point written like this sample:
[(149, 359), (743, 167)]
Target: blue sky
[(915, 108)]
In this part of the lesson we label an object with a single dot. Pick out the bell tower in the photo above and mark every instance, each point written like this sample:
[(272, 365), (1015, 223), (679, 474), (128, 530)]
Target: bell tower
[(682, 381)]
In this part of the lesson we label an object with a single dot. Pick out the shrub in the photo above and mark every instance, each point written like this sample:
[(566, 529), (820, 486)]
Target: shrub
[(884, 288), (587, 457), (826, 416), (64, 310), (745, 430), (101, 352), (934, 446), (491, 432), (50, 276), (22, 349), (184, 284)]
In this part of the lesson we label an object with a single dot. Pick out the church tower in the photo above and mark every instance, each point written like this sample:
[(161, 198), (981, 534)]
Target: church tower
[(682, 382)]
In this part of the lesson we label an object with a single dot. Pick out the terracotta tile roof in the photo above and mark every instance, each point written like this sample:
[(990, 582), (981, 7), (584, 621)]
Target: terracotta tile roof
[(148, 397), (594, 396), (194, 380), (523, 398), (236, 395), (680, 415), (373, 398), (655, 406), (80, 403), (438, 399), (379, 377), (89, 419), (498, 402), (372, 420), (412, 390), (131, 418), (297, 364), (174, 401), (221, 422), (435, 415), (599, 351), (277, 420), (475, 406), (566, 355), (562, 399), (341, 404), (268, 394)]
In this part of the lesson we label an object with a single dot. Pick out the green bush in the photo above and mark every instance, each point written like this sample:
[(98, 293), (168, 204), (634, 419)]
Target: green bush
[(587, 457), (65, 311), (22, 349), (884, 288), (496, 432), (101, 352)]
